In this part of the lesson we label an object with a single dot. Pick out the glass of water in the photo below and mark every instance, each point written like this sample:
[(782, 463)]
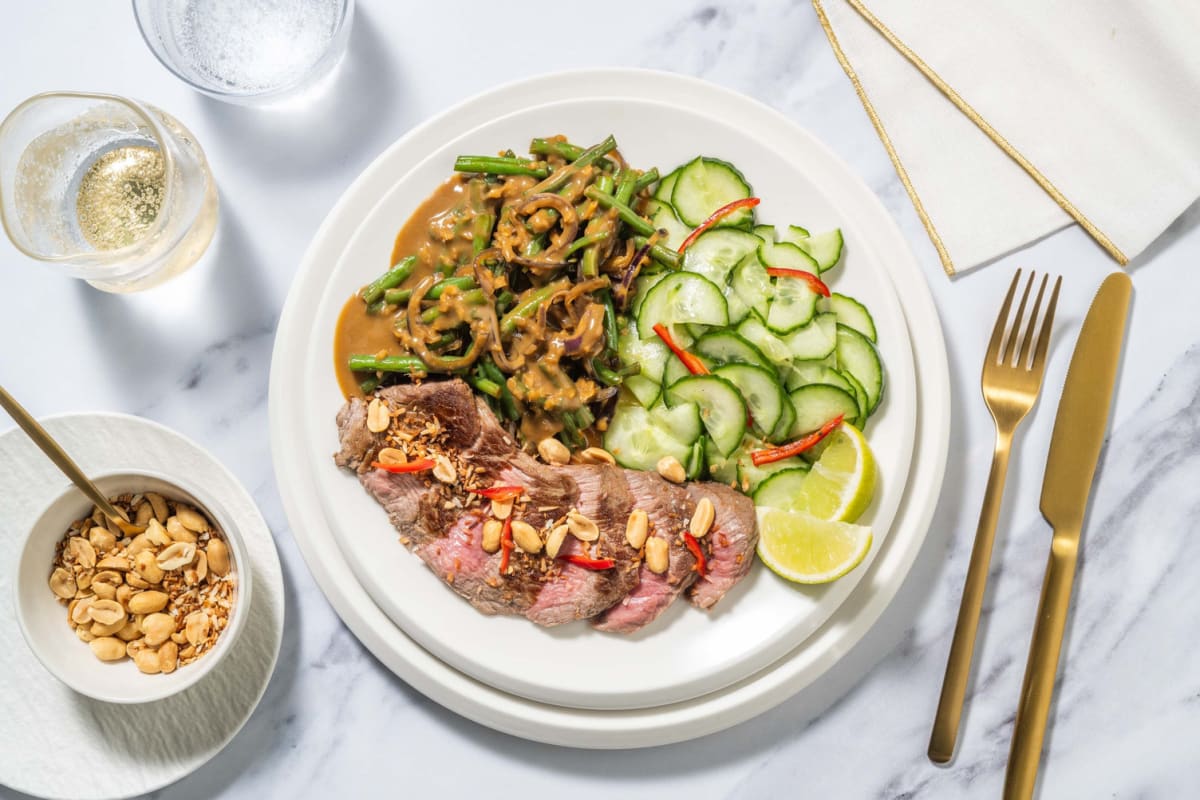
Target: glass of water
[(104, 188), (248, 51)]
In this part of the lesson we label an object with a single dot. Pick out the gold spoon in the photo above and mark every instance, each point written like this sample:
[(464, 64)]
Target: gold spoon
[(63, 461)]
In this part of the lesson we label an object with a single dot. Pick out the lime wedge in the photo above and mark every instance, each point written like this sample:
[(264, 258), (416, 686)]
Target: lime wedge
[(803, 549), (842, 482)]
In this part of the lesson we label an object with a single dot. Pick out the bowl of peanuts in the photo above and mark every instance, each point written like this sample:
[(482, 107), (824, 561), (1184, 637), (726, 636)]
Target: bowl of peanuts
[(132, 618)]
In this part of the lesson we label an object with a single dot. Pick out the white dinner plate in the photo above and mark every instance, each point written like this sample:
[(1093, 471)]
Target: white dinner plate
[(302, 361), (685, 653)]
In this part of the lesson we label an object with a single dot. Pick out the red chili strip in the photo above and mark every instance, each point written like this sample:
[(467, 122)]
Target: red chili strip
[(717, 216), (506, 544), (692, 362), (420, 465), (771, 454), (500, 493), (814, 283), (589, 563), (698, 552)]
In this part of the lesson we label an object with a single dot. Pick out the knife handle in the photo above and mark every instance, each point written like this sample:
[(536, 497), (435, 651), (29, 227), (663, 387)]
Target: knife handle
[(1037, 691)]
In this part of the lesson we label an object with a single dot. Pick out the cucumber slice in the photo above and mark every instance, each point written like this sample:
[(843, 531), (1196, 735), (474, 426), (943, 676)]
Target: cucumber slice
[(857, 356), (754, 331), (794, 305), (787, 255), (779, 490), (815, 340), (716, 252), (793, 234), (681, 421), (645, 391), (726, 347), (852, 314), (765, 232), (722, 410), (751, 285), (818, 403), (706, 184), (649, 354), (642, 287), (824, 248), (662, 216), (667, 185), (783, 428), (759, 387), (674, 371), (860, 396), (638, 438), (804, 373), (720, 467), (751, 478), (694, 467), (682, 297)]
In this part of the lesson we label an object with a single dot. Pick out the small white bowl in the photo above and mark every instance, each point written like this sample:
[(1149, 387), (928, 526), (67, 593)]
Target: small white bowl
[(43, 619)]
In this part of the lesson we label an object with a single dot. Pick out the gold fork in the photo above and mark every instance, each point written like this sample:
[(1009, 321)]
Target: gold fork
[(1011, 382)]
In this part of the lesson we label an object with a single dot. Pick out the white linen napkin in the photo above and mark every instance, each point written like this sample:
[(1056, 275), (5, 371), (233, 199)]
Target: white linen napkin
[(1009, 120)]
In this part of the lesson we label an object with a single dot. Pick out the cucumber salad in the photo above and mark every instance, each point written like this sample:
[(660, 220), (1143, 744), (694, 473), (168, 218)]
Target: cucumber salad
[(743, 360)]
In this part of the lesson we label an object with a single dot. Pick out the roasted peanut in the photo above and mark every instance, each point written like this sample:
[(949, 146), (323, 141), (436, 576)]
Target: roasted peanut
[(378, 416), (702, 518), (140, 542), (637, 529), (146, 566), (191, 519), (81, 552), (218, 557), (148, 602), (106, 612), (197, 626), (158, 628), (657, 555), (555, 541), (526, 537), (106, 648), (177, 532), (62, 583), (118, 563), (80, 610), (159, 504), (147, 662), (670, 468), (176, 556), (168, 657), (102, 540), (390, 456), (157, 534), (129, 631), (443, 470), (553, 451), (124, 592), (501, 508), (492, 529), (145, 513), (110, 629), (596, 455), (582, 528)]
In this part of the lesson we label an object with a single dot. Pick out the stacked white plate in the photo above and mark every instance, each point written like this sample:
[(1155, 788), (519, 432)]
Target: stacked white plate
[(689, 673)]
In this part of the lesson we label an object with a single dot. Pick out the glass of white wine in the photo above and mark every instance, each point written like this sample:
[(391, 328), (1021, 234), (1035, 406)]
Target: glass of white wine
[(107, 189)]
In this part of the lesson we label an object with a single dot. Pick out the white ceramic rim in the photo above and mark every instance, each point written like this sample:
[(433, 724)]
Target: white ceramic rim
[(277, 588), (686, 653), (643, 727), (237, 621)]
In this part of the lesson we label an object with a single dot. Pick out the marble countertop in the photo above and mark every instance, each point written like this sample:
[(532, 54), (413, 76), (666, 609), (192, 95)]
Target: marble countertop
[(195, 356)]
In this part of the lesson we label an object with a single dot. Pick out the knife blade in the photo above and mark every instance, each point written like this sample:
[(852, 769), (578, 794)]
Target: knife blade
[(1079, 433)]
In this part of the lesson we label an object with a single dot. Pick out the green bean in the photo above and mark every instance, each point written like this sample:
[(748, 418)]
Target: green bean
[(604, 374), (554, 147), (528, 306), (369, 385), (490, 388), (570, 431), (459, 282), (397, 297), (646, 179), (627, 214), (583, 417), (663, 255), (534, 246), (481, 235), (584, 241), (376, 307), (362, 362), (589, 265), (504, 300), (610, 323), (508, 403), (626, 182), (500, 165), (388, 280), (586, 158), (472, 298)]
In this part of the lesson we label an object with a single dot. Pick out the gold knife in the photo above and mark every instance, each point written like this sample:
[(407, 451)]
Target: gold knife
[(1079, 431)]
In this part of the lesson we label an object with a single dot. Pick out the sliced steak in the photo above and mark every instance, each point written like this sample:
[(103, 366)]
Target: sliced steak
[(400, 496), (458, 558), (577, 592), (730, 541), (669, 508)]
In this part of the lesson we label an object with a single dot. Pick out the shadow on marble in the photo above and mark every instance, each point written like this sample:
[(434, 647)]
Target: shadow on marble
[(349, 117), (1184, 224)]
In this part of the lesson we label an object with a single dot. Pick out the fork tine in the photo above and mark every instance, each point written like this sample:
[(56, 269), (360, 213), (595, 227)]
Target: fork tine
[(1014, 335), (1039, 356), (1023, 355), (993, 351)]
